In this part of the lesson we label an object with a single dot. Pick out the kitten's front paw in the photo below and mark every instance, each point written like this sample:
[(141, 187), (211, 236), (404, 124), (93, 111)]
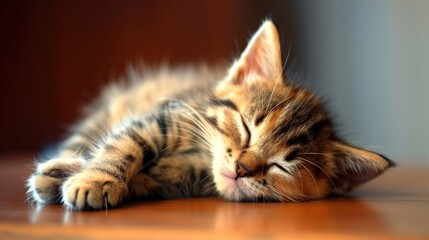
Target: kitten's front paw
[(91, 190), (44, 185)]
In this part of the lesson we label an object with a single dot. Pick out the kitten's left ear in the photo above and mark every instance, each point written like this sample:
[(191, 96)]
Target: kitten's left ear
[(262, 56), (357, 166)]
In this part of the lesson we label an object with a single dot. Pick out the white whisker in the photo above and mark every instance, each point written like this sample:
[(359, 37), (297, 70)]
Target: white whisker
[(327, 175), (314, 180)]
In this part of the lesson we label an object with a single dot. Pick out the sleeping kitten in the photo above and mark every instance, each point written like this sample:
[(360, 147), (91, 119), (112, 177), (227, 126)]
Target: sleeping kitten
[(252, 136)]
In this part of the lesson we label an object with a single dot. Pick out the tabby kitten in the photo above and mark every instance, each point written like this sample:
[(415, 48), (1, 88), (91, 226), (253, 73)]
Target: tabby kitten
[(252, 136)]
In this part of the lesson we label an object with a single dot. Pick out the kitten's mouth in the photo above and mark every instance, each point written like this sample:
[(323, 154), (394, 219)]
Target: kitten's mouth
[(229, 177), (227, 183), (233, 188)]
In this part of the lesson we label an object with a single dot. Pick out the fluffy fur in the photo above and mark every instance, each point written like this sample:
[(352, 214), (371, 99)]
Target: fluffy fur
[(251, 136)]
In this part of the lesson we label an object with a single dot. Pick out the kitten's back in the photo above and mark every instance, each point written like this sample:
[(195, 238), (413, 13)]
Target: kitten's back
[(143, 89)]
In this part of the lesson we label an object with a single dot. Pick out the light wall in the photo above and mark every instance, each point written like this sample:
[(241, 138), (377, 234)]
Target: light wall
[(370, 62)]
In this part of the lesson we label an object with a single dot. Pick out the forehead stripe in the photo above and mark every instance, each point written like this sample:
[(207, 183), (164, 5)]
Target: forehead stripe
[(224, 103), (297, 116), (299, 139), (317, 127)]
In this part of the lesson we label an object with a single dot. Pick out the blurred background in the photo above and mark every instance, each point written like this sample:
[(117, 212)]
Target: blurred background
[(368, 59)]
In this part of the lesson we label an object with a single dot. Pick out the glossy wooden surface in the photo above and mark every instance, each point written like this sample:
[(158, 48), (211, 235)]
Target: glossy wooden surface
[(394, 206)]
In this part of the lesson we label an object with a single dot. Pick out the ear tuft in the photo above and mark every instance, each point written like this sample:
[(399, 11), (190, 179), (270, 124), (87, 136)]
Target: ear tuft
[(357, 166), (262, 56), (389, 161)]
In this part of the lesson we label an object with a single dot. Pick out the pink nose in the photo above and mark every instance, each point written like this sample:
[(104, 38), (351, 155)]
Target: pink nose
[(242, 170)]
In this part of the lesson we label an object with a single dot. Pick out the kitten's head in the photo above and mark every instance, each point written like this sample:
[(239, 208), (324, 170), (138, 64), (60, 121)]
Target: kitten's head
[(274, 140)]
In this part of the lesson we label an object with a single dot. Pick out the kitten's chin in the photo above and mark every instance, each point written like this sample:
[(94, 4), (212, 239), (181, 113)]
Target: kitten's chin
[(227, 186)]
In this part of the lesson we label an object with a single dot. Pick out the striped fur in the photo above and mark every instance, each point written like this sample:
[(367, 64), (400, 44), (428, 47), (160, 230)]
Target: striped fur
[(182, 133)]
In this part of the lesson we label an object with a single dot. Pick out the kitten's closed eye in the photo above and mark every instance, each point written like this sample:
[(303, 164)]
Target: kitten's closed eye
[(247, 131), (278, 166)]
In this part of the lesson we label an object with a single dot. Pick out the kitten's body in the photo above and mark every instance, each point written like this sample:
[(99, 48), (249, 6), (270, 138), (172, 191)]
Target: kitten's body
[(145, 93), (178, 133)]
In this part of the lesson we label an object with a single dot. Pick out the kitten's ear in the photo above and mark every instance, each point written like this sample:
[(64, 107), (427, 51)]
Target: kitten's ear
[(357, 166), (261, 57)]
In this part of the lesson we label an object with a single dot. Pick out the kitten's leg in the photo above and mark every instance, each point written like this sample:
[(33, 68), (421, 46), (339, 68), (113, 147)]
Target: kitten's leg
[(133, 146), (184, 174), (44, 185)]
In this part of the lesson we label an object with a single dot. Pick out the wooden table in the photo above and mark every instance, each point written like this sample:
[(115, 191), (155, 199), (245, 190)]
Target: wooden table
[(394, 206)]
